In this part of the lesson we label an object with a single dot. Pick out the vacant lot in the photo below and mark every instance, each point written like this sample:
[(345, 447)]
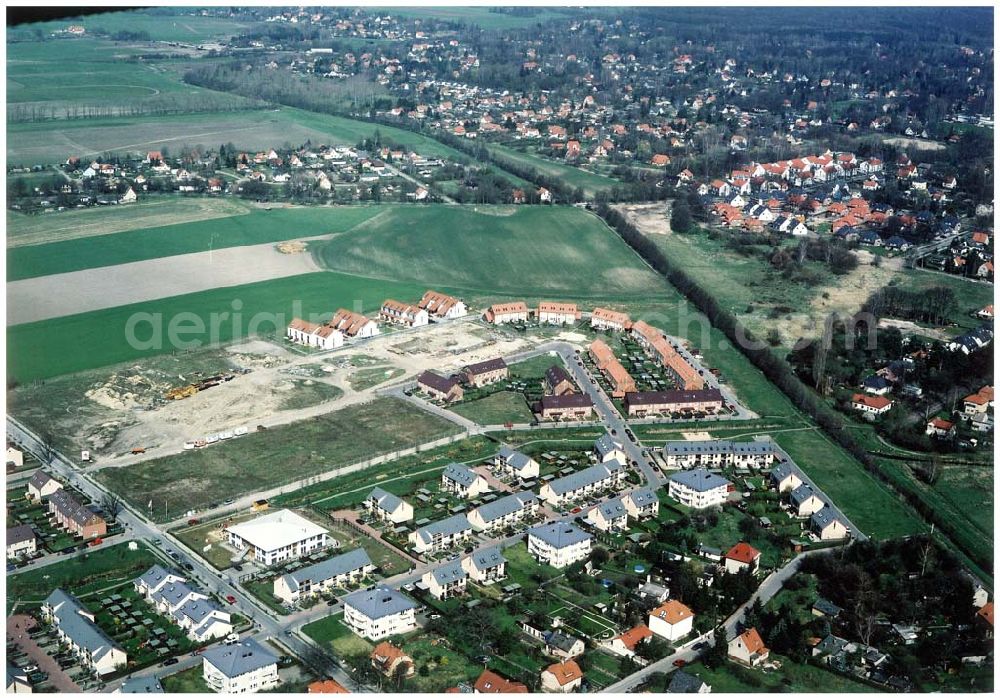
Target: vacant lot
[(493, 249), (240, 227), (267, 307), (263, 460), (796, 678), (498, 408), (25, 229)]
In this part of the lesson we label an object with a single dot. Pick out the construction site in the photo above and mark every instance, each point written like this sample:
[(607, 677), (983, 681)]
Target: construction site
[(194, 399)]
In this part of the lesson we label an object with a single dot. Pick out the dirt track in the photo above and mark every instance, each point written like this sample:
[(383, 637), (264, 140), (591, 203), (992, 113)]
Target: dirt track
[(47, 297)]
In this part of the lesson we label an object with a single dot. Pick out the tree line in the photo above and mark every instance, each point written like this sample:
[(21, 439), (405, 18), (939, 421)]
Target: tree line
[(779, 372)]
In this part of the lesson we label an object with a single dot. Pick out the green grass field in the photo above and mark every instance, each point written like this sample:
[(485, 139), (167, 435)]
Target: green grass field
[(23, 229), (99, 337), (256, 227), (199, 479), (792, 677), (70, 75), (569, 175), (866, 501), (161, 25), (48, 142), (498, 408), (102, 568), (493, 249)]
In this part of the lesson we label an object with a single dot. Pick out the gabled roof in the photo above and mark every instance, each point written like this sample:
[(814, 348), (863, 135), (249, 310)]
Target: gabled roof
[(752, 641), (74, 621), (491, 682), (565, 672), (20, 534), (824, 517), (487, 366), (606, 444), (40, 478), (802, 493), (587, 476), (328, 569), (641, 497), (683, 682), (782, 471), (449, 572), (386, 501), (631, 638), (505, 505), (458, 473), (450, 526), (484, 560), (515, 459), (241, 658)]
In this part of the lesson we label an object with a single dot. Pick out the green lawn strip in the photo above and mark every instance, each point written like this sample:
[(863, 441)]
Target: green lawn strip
[(247, 464), (99, 337), (332, 632), (253, 228), (80, 575), (792, 677)]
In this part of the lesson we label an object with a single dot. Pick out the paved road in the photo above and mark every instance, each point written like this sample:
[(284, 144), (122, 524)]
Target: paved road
[(767, 590), (203, 574)]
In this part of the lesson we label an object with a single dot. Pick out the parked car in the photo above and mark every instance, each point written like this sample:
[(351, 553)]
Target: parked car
[(169, 662), (679, 663), (230, 599)]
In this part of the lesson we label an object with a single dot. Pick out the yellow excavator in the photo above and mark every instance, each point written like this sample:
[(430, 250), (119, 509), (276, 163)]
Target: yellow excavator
[(181, 392)]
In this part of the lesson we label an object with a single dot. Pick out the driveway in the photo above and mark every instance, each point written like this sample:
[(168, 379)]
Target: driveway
[(18, 627)]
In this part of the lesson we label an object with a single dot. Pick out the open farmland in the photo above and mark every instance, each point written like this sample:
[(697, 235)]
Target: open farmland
[(262, 460), (23, 229), (99, 336), (59, 79), (48, 142), (247, 228), (160, 23), (493, 249)]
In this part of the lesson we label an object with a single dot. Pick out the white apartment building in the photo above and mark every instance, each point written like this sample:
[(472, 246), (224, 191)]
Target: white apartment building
[(506, 511), (559, 544), (282, 535), (246, 667), (441, 535), (698, 489), (310, 581), (583, 482), (379, 613)]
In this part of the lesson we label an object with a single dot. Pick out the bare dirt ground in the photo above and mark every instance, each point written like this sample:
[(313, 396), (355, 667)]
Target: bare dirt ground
[(844, 296), (649, 218), (916, 143), (111, 411), (47, 297), (907, 327)]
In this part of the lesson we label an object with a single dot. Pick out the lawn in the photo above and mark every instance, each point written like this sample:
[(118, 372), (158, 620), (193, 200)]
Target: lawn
[(523, 569), (792, 677), (866, 501), (567, 174), (499, 408), (446, 668), (102, 568), (99, 337), (401, 477), (188, 681), (24, 229), (527, 251), (246, 228), (332, 631), (971, 296), (247, 464)]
